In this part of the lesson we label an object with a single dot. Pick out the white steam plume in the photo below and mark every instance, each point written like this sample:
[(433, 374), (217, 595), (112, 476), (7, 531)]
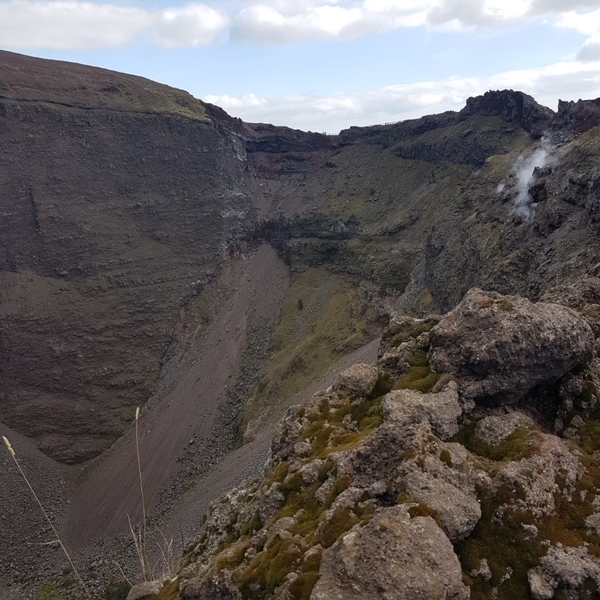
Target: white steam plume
[(523, 169)]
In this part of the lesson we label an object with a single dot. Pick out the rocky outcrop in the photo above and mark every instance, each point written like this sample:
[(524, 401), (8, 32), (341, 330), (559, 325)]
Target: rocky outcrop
[(569, 568), (577, 117), (500, 347), (395, 556), (390, 484), (516, 107)]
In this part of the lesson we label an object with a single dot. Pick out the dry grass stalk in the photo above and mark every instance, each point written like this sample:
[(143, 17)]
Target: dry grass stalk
[(123, 573), (167, 557), (141, 543), (47, 517)]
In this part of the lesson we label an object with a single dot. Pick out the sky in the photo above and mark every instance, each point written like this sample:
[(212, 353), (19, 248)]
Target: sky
[(325, 65)]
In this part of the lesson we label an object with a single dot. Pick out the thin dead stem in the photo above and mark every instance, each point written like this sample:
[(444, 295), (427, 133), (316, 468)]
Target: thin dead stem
[(142, 551), (167, 556), (47, 517), (123, 573)]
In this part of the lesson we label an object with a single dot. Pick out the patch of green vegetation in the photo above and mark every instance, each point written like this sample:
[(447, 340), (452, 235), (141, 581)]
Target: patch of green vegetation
[(382, 386), (314, 523), (233, 555), (423, 510), (169, 591), (269, 568), (116, 590), (152, 97), (413, 333), (334, 320), (327, 432), (422, 379), (519, 444), (302, 586), (589, 433), (50, 591), (504, 544), (505, 304), (342, 520), (419, 377), (587, 144), (446, 457), (589, 436)]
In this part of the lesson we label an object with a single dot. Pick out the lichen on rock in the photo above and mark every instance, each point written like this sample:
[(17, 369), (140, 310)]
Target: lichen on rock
[(500, 347)]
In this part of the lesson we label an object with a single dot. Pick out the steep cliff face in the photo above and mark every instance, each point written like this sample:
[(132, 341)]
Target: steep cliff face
[(119, 199)]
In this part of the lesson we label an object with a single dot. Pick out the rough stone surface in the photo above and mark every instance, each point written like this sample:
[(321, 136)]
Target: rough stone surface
[(566, 566), (536, 478), (395, 557), (144, 590), (513, 106), (441, 410), (458, 511), (500, 347), (496, 428), (357, 381)]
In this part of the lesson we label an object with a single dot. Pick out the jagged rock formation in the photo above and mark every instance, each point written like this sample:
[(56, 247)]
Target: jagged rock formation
[(503, 346), (396, 484)]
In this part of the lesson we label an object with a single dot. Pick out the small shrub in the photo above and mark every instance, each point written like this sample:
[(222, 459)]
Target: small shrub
[(446, 457), (49, 592), (116, 590)]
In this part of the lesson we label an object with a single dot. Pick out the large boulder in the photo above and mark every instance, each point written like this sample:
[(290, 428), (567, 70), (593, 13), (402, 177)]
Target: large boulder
[(394, 556), (500, 347)]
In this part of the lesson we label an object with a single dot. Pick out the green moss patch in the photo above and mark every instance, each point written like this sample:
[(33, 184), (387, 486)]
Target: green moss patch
[(169, 591), (504, 544), (412, 333), (335, 319), (419, 377), (519, 444)]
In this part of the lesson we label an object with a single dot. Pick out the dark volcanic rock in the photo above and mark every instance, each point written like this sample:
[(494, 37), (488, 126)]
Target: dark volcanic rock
[(500, 347), (511, 106), (118, 200), (269, 138), (577, 117)]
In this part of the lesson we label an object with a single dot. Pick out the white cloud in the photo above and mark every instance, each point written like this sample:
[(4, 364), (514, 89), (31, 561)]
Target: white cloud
[(274, 21), (591, 49), (399, 102), (71, 24), (587, 23), (191, 25), (266, 24), (68, 24)]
